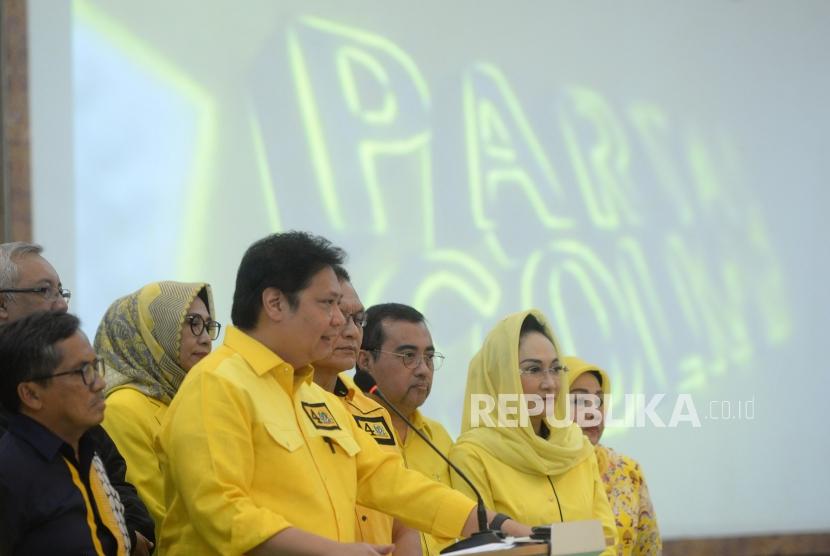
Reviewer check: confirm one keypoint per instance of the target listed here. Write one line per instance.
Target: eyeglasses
(89, 372)
(537, 371)
(48, 293)
(411, 359)
(359, 319)
(199, 325)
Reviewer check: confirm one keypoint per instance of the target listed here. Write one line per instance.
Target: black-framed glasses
(411, 359)
(537, 371)
(199, 325)
(89, 371)
(49, 293)
(359, 319)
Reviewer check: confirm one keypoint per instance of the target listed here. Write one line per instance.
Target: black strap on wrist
(497, 521)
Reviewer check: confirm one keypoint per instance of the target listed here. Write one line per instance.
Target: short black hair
(341, 273)
(285, 261)
(28, 350)
(373, 336)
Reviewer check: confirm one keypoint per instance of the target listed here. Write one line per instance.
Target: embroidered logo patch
(320, 416)
(377, 429)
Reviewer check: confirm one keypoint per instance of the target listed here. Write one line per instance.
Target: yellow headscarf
(577, 367)
(140, 337)
(495, 370)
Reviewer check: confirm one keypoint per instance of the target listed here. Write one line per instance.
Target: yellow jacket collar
(261, 359)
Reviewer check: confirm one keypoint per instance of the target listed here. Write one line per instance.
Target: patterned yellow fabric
(494, 370)
(140, 336)
(109, 508)
(637, 530)
(109, 505)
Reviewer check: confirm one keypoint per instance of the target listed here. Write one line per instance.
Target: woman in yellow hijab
(637, 532)
(537, 469)
(148, 341)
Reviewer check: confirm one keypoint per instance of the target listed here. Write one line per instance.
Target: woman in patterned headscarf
(625, 485)
(148, 341)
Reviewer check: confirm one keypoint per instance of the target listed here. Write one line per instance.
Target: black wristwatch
(498, 521)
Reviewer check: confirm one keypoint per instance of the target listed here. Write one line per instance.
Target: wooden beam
(792, 544)
(16, 213)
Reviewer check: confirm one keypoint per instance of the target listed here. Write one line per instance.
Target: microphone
(484, 535)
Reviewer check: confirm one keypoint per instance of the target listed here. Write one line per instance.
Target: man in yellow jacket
(373, 526)
(257, 459)
(397, 350)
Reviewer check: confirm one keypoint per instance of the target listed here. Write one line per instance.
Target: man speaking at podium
(258, 459)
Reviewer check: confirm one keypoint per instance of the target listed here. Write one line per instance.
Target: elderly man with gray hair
(30, 284)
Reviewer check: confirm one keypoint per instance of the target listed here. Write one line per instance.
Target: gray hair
(10, 253)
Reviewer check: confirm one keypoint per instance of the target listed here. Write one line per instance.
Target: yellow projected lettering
(504, 154)
(714, 314)
(266, 182)
(348, 61)
(375, 136)
(467, 277)
(655, 135)
(659, 305)
(605, 184)
(316, 134)
(630, 224)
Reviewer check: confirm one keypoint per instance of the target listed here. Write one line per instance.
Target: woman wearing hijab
(539, 469)
(148, 341)
(637, 532)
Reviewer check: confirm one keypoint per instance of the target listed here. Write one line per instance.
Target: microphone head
(364, 381)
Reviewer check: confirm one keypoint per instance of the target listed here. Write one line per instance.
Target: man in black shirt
(55, 496)
(28, 283)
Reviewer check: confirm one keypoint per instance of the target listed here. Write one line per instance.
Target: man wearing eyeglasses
(28, 284)
(55, 495)
(397, 350)
(257, 458)
(372, 526)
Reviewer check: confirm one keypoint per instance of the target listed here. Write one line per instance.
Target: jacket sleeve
(385, 484)
(470, 463)
(135, 512)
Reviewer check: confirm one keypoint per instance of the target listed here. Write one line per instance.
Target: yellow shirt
(637, 532)
(420, 457)
(132, 419)
(250, 446)
(532, 498)
(372, 526)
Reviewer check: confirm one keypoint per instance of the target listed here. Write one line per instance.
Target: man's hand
(143, 547)
(516, 529)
